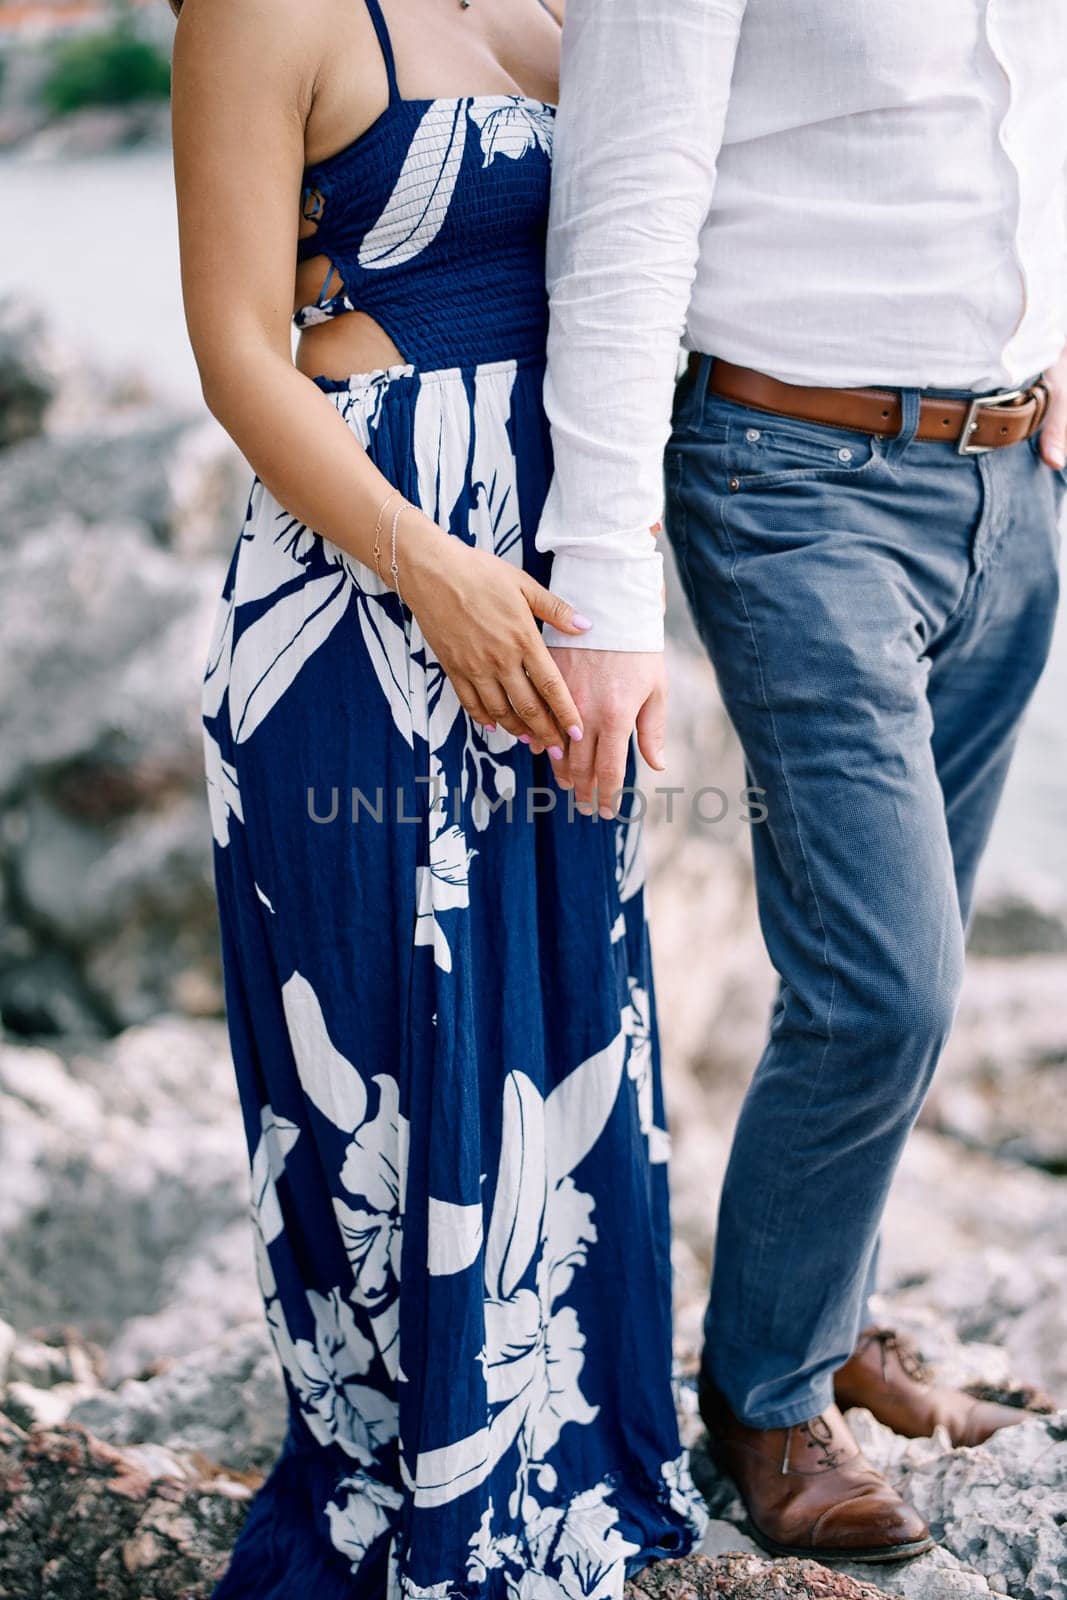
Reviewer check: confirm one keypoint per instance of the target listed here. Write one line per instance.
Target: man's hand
(615, 691)
(1053, 437)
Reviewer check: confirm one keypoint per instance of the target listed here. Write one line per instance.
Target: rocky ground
(139, 1397)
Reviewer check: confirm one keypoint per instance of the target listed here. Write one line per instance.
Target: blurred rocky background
(83, 76)
(139, 1398)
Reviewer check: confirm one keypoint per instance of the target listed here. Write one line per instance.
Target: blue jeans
(878, 612)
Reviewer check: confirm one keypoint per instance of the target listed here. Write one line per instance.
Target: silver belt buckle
(970, 421)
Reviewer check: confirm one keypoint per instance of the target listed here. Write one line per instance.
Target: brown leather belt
(985, 423)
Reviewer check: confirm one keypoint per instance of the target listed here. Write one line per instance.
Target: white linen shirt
(835, 192)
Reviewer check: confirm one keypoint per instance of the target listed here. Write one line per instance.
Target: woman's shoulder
(256, 53)
(262, 32)
(281, 48)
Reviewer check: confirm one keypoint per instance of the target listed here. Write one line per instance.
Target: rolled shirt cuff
(622, 596)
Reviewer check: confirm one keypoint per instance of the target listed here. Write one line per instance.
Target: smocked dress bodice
(434, 220)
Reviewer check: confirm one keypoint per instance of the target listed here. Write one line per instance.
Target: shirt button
(735, 483)
(751, 434)
(844, 454)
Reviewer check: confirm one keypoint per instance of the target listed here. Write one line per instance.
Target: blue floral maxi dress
(438, 989)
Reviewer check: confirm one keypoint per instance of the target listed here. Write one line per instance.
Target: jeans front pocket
(763, 448)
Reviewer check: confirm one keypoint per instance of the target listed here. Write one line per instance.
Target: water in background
(95, 242)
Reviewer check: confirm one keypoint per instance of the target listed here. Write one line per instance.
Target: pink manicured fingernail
(1058, 458)
(524, 738)
(575, 733)
(580, 621)
(555, 752)
(490, 727)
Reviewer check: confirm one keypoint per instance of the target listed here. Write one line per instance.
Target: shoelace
(819, 1436)
(892, 1343)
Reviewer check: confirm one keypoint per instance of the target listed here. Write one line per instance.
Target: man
(853, 214)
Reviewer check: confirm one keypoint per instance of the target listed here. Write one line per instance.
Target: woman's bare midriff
(352, 342)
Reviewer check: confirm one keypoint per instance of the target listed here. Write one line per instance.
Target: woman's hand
(478, 614)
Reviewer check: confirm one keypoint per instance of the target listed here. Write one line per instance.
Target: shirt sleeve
(643, 94)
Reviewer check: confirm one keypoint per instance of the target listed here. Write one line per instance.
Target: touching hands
(615, 691)
(478, 614)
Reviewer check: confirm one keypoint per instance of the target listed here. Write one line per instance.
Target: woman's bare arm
(243, 84)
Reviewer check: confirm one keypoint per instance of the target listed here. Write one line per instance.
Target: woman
(438, 989)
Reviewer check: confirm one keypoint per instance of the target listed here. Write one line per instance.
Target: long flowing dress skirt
(442, 1020)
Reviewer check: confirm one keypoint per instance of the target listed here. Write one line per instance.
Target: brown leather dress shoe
(809, 1490)
(886, 1375)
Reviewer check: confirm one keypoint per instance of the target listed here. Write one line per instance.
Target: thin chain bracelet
(393, 567)
(378, 532)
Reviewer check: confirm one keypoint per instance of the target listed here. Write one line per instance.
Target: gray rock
(204, 1291)
(208, 483)
(949, 1206)
(228, 1403)
(104, 638)
(32, 1407)
(999, 1509)
(8, 1339)
(938, 1575)
(1016, 1299)
(113, 473)
(133, 907)
(701, 895)
(43, 992)
(178, 476)
(725, 1538)
(62, 1362)
(79, 880)
(27, 388)
(975, 1240)
(118, 1169)
(105, 847)
(999, 1086)
(1019, 916)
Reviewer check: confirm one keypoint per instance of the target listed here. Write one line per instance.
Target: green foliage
(111, 67)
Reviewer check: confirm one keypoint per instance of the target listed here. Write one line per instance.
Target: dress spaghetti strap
(382, 30)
